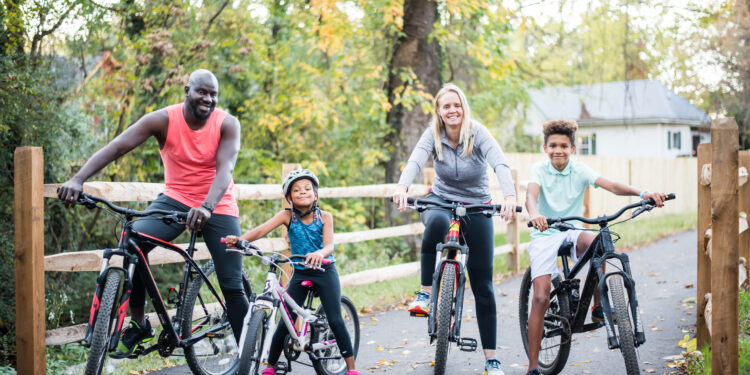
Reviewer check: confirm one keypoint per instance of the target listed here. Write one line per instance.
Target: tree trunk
(417, 51)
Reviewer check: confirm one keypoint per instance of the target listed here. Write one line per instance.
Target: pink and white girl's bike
(313, 336)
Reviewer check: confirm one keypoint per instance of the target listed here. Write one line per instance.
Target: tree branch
(215, 16)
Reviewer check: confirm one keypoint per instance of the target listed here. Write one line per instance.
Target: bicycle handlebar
(603, 219)
(421, 204)
(91, 201)
(248, 249)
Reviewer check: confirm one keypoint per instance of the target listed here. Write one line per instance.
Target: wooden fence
(31, 262)
(723, 242)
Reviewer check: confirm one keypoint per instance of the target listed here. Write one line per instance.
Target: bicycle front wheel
(102, 335)
(335, 364)
(555, 345)
(624, 328)
(252, 346)
(203, 314)
(444, 317)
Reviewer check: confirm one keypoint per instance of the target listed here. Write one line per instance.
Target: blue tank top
(306, 238)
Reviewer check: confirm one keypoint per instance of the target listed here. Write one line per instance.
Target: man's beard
(194, 110)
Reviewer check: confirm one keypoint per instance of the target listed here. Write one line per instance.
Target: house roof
(642, 101)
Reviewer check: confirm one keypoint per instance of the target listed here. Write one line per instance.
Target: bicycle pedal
(467, 344)
(281, 368)
(419, 315)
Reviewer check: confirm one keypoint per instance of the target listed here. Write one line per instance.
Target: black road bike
(449, 279)
(200, 325)
(569, 306)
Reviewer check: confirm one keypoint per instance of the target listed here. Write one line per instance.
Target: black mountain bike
(568, 307)
(449, 279)
(200, 325)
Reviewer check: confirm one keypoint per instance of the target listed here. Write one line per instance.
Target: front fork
(436, 279)
(124, 299)
(640, 336)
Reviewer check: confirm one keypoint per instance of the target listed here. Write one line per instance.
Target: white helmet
(295, 175)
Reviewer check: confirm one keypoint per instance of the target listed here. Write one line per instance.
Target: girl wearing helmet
(310, 234)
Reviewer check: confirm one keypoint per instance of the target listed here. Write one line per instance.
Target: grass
(744, 340)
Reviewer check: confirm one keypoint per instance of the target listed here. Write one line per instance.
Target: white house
(629, 118)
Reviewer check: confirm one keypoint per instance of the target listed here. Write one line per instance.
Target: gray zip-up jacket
(461, 179)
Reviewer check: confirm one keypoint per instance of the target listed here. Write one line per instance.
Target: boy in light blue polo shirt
(556, 189)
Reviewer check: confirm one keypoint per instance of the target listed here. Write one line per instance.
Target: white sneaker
(492, 367)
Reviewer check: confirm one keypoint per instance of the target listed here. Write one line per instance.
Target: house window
(674, 141)
(588, 144)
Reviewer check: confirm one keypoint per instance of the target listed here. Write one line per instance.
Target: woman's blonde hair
(466, 135)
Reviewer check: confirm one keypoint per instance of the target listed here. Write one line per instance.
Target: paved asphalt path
(665, 272)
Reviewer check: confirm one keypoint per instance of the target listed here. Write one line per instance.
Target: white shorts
(543, 252)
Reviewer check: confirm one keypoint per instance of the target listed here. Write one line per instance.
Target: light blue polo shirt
(560, 193)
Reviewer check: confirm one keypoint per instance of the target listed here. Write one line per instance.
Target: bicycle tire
(217, 355)
(102, 335)
(444, 315)
(351, 319)
(624, 326)
(253, 344)
(554, 361)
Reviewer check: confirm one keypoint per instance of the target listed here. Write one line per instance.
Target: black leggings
(478, 232)
(329, 291)
(228, 265)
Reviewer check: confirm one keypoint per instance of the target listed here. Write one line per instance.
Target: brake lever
(562, 226)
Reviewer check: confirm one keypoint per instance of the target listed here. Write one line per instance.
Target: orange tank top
(189, 158)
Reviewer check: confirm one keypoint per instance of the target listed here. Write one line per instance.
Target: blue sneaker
(492, 367)
(534, 372)
(421, 304)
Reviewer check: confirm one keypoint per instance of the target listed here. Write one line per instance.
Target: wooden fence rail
(31, 262)
(723, 200)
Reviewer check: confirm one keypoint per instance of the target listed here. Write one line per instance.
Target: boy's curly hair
(560, 126)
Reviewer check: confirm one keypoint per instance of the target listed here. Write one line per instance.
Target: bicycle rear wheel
(252, 346)
(555, 345)
(217, 353)
(102, 335)
(336, 366)
(444, 316)
(624, 326)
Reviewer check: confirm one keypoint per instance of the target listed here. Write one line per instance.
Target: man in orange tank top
(199, 145)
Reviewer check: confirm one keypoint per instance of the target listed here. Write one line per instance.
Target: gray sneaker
(492, 367)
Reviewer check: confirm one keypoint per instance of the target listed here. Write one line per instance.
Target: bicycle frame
(273, 297)
(457, 255)
(132, 254)
(601, 250)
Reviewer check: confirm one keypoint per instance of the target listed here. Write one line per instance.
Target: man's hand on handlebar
(399, 197)
(539, 222)
(197, 218)
(69, 192)
(658, 198)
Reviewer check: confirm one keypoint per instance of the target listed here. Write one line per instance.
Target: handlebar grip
(223, 240)
(519, 209)
(325, 261)
(670, 196)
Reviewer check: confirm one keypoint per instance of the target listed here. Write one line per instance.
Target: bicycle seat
(307, 283)
(565, 248)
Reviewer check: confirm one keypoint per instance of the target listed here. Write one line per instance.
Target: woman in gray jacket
(461, 148)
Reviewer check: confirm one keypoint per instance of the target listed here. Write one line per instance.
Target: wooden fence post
(724, 266)
(28, 212)
(513, 235)
(744, 206)
(704, 262)
(285, 169)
